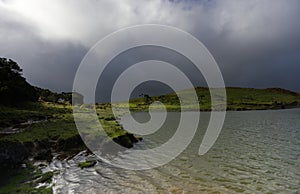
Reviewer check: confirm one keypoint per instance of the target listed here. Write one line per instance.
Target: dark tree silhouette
(13, 87)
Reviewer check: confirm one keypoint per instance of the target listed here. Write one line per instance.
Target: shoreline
(227, 110)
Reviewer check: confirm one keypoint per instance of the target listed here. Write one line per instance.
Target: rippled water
(256, 152)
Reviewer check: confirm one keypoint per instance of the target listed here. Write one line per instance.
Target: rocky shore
(14, 152)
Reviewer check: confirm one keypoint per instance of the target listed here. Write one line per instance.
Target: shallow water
(256, 152)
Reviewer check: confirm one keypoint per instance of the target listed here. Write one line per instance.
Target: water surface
(256, 152)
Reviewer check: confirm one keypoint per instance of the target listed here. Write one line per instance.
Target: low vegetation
(87, 164)
(25, 180)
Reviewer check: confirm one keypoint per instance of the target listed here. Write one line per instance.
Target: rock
(44, 154)
(124, 141)
(127, 140)
(12, 153)
(70, 143)
(87, 164)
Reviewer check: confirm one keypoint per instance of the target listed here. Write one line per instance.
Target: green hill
(237, 99)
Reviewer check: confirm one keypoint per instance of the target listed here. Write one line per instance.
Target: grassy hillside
(237, 99)
(56, 122)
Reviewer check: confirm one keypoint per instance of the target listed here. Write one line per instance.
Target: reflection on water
(257, 152)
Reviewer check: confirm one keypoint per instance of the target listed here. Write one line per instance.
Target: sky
(255, 43)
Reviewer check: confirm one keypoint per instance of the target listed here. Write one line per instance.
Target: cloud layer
(256, 43)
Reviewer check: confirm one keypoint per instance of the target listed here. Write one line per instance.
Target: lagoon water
(256, 152)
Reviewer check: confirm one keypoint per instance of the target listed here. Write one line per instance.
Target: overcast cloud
(255, 43)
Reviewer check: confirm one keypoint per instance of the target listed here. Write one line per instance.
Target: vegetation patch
(24, 180)
(87, 164)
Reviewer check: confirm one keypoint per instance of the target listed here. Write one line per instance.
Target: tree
(13, 87)
(147, 99)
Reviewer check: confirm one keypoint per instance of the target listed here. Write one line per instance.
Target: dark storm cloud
(47, 64)
(58, 63)
(139, 54)
(256, 43)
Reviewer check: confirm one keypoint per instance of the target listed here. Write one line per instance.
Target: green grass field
(237, 99)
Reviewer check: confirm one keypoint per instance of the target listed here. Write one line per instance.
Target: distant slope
(237, 99)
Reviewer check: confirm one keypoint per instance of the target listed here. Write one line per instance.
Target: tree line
(14, 89)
